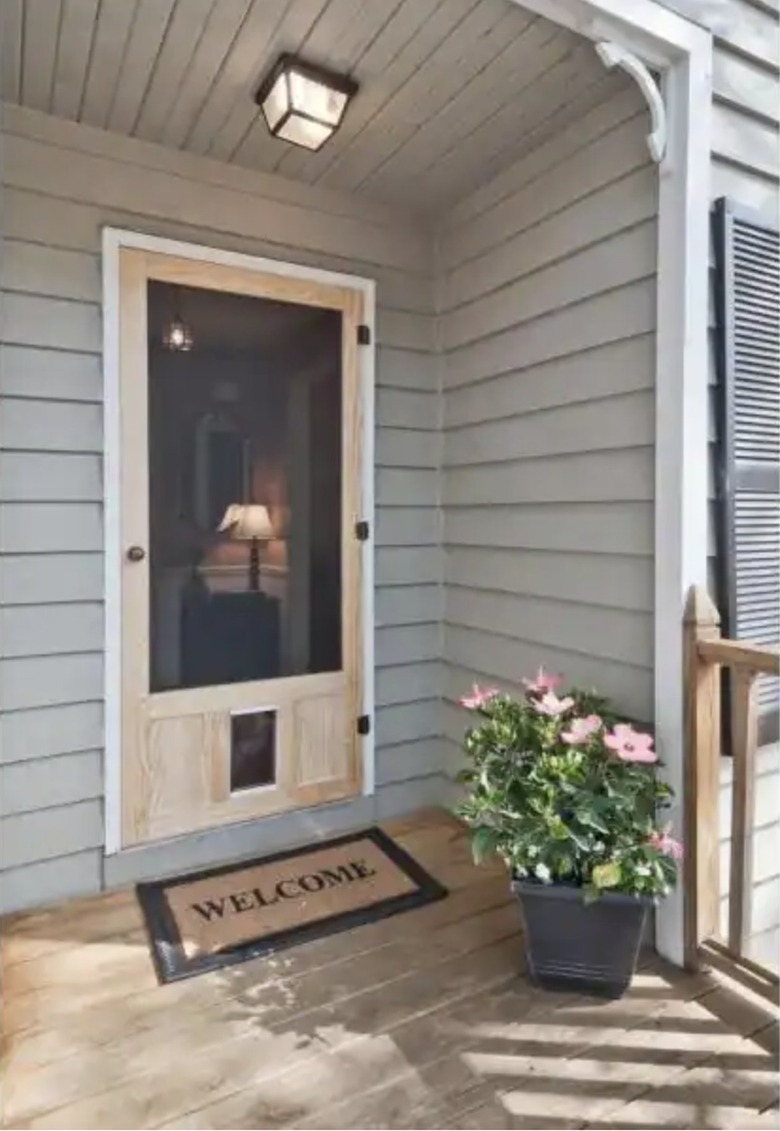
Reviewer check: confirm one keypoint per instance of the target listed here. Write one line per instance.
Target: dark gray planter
(577, 946)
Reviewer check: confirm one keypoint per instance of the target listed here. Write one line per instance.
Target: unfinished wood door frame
(297, 281)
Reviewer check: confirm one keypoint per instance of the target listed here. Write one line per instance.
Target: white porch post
(681, 527)
(682, 52)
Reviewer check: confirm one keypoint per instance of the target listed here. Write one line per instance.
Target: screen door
(240, 590)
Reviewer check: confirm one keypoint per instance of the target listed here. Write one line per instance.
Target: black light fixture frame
(342, 84)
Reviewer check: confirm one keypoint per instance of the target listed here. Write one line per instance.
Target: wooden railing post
(701, 874)
(744, 742)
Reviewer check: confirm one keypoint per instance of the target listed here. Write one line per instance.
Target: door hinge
(362, 531)
(364, 334)
(364, 724)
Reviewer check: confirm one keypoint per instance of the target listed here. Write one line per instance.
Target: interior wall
(61, 184)
(546, 298)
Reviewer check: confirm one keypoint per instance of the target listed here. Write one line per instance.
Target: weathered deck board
(422, 1020)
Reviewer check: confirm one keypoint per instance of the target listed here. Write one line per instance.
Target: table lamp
(249, 522)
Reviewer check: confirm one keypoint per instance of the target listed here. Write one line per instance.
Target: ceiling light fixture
(303, 103)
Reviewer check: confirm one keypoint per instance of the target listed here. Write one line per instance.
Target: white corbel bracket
(613, 55)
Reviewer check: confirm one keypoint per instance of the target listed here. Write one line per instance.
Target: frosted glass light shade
(302, 103)
(304, 132)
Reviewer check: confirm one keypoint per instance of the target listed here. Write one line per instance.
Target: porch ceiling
(451, 91)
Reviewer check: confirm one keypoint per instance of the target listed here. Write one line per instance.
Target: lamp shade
(303, 103)
(247, 521)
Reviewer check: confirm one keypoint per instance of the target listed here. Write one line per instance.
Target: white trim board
(682, 52)
(113, 240)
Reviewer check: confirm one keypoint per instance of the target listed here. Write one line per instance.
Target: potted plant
(568, 796)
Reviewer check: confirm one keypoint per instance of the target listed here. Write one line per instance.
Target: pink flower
(665, 843)
(631, 745)
(580, 730)
(543, 683)
(479, 697)
(552, 706)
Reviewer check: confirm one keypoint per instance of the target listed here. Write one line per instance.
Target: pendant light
(177, 335)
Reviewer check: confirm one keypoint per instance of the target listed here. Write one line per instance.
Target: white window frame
(114, 239)
(682, 52)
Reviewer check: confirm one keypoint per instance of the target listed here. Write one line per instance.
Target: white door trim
(113, 240)
(682, 52)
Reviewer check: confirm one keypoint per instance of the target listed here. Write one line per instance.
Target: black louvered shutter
(747, 307)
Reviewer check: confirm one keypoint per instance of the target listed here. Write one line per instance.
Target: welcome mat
(205, 920)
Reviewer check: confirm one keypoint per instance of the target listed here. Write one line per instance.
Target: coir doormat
(202, 921)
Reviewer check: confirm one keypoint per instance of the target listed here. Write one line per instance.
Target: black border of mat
(170, 961)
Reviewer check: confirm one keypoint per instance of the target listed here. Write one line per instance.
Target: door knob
(136, 554)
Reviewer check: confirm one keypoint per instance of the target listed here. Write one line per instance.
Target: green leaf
(483, 843)
(592, 820)
(578, 839)
(606, 875)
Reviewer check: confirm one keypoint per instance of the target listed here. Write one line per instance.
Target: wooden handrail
(737, 654)
(706, 653)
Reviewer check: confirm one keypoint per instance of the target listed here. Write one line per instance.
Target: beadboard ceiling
(451, 91)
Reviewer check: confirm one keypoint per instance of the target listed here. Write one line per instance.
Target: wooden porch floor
(423, 1020)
